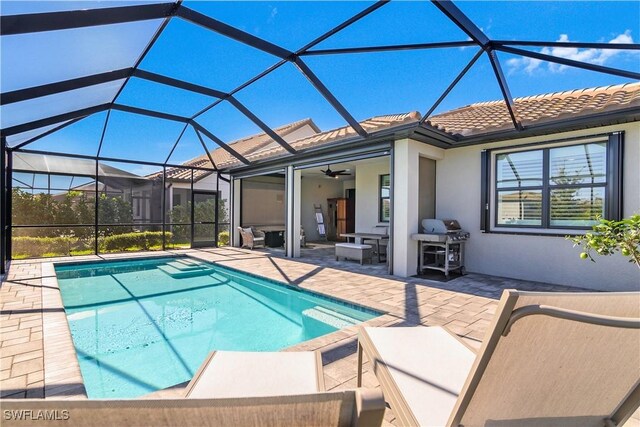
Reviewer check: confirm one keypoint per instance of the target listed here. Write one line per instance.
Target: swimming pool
(143, 325)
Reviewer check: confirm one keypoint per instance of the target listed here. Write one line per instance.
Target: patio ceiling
(88, 88)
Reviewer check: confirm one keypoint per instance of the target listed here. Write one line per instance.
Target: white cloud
(272, 14)
(592, 56)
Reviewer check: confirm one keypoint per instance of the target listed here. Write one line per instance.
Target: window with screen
(563, 186)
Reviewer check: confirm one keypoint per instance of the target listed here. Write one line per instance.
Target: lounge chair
(263, 374)
(548, 359)
(251, 238)
(358, 407)
(230, 388)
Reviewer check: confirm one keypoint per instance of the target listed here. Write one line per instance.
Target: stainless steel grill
(441, 246)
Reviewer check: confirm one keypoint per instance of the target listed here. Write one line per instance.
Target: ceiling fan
(334, 174)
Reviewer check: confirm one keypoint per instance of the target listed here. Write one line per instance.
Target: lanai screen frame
(50, 21)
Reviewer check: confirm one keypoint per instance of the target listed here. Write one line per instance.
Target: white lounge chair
(548, 359)
(230, 388)
(253, 374)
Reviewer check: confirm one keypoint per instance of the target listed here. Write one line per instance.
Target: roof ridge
(576, 91)
(410, 114)
(290, 127)
(276, 129)
(565, 93)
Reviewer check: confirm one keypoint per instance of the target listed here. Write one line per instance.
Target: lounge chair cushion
(428, 365)
(255, 374)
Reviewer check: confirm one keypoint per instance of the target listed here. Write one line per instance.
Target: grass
(17, 256)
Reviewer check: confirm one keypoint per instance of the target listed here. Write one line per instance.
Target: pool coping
(62, 374)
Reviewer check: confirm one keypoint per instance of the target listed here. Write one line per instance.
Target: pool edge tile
(62, 375)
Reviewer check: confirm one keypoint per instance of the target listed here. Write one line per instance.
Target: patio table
(359, 237)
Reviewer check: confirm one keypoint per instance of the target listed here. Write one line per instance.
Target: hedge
(30, 247)
(35, 247)
(137, 241)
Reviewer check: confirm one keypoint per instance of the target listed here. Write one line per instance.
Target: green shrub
(133, 241)
(34, 247)
(223, 238)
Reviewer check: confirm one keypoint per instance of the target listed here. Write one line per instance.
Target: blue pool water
(142, 325)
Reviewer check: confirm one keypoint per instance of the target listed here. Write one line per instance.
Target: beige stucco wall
(427, 189)
(538, 258)
(316, 191)
(406, 177)
(347, 185)
(367, 186)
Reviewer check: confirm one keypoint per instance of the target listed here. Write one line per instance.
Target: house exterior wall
(367, 197)
(406, 219)
(316, 191)
(538, 258)
(208, 183)
(348, 185)
(427, 188)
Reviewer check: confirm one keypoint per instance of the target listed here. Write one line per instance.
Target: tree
(114, 210)
(609, 237)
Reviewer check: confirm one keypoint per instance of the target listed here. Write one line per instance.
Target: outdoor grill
(442, 230)
(441, 246)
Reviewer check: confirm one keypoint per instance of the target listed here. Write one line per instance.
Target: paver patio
(35, 367)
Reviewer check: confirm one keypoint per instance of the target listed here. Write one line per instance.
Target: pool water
(143, 325)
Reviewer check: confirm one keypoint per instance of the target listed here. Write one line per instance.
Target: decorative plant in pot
(609, 237)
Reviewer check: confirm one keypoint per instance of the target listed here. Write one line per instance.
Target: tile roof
(486, 117)
(336, 135)
(244, 146)
(475, 119)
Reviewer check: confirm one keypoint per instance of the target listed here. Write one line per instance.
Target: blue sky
(367, 84)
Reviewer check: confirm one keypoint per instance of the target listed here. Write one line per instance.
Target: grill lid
(440, 226)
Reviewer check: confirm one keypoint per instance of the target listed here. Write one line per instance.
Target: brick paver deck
(465, 305)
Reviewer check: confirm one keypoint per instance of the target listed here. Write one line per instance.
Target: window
(384, 212)
(567, 186)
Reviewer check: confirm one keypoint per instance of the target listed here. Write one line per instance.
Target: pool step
(186, 264)
(327, 317)
(186, 268)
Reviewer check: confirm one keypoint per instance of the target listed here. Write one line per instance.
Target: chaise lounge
(549, 359)
(230, 388)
